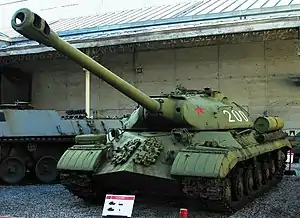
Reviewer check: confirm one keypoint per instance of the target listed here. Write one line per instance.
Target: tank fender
(85, 159)
(205, 163)
(216, 163)
(220, 139)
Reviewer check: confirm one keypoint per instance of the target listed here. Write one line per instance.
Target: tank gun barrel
(33, 27)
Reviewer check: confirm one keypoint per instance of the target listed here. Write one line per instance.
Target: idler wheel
(12, 170)
(258, 179)
(237, 186)
(248, 182)
(45, 169)
(265, 173)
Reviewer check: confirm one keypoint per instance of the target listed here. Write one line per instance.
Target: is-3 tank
(195, 144)
(33, 140)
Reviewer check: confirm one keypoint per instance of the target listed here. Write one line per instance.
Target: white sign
(118, 205)
(289, 156)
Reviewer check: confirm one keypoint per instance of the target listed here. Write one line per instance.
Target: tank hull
(32, 141)
(209, 175)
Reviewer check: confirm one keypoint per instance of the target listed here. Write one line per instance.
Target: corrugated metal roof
(166, 14)
(151, 19)
(209, 9)
(3, 35)
(3, 39)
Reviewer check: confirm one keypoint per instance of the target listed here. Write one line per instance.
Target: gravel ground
(54, 201)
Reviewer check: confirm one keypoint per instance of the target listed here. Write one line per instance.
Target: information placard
(118, 205)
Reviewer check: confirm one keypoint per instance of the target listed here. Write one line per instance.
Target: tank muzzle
(32, 26)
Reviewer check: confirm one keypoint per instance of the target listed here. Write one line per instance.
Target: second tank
(33, 140)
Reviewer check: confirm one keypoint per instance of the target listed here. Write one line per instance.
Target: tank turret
(193, 109)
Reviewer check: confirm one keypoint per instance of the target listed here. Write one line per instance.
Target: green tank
(191, 144)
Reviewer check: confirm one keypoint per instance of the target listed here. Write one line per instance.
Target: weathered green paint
(218, 163)
(268, 123)
(80, 159)
(195, 160)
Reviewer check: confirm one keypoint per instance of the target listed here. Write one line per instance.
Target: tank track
(79, 184)
(214, 194)
(210, 194)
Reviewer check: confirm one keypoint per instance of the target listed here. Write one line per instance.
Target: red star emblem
(199, 110)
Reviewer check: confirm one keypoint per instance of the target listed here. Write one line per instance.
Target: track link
(79, 184)
(216, 194)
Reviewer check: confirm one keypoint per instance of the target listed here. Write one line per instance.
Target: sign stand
(118, 206)
(290, 159)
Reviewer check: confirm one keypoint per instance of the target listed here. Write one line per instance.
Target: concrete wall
(254, 74)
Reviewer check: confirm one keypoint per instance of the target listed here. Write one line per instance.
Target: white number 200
(234, 116)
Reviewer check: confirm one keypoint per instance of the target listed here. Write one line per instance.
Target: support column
(87, 92)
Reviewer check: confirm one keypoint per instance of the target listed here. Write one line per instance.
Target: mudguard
(81, 159)
(216, 163)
